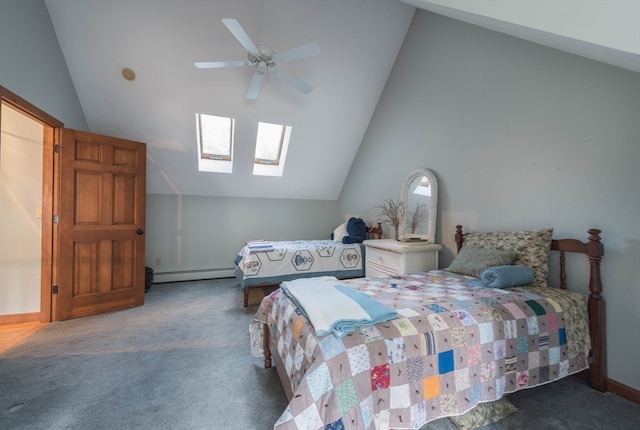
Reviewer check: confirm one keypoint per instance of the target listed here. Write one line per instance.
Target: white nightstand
(385, 257)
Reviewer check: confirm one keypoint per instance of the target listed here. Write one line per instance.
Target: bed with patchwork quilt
(452, 343)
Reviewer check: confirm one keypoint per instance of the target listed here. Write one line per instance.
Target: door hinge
(56, 149)
(56, 219)
(54, 289)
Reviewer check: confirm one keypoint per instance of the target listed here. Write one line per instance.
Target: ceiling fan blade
(298, 53)
(254, 86)
(236, 29)
(293, 81)
(219, 64)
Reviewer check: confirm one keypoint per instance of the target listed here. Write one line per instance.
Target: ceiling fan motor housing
(263, 60)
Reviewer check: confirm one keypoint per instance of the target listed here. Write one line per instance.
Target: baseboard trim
(623, 391)
(191, 275)
(19, 318)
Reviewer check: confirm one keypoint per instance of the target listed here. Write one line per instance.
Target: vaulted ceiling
(160, 41)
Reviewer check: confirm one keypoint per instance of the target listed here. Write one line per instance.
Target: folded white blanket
(334, 308)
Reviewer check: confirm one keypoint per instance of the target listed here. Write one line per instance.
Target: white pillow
(340, 232)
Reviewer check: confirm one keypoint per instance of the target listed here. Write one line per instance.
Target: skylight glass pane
(216, 136)
(423, 188)
(269, 143)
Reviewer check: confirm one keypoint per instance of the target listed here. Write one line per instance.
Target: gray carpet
(182, 361)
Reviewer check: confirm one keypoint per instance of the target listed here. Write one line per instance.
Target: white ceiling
(160, 40)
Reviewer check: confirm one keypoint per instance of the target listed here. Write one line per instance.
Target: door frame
(51, 126)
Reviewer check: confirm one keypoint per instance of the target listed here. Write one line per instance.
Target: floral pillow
(483, 414)
(531, 248)
(472, 261)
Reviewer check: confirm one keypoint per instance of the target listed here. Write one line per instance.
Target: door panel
(101, 224)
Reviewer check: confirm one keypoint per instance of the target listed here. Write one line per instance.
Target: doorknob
(139, 232)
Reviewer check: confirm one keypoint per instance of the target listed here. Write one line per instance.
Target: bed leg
(245, 302)
(265, 346)
(597, 369)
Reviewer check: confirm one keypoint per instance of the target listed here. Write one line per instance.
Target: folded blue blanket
(377, 311)
(505, 276)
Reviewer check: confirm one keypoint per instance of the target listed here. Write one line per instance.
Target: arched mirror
(419, 193)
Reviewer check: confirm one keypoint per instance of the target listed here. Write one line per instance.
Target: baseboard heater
(191, 275)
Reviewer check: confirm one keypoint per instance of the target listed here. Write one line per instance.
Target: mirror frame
(433, 205)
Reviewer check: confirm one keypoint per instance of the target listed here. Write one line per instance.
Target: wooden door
(101, 221)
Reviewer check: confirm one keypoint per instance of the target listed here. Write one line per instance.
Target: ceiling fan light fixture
(262, 66)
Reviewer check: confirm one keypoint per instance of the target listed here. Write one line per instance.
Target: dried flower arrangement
(392, 212)
(419, 216)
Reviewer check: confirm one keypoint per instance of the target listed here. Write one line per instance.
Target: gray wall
(31, 61)
(198, 237)
(520, 137)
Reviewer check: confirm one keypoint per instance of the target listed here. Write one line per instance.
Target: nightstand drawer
(383, 258)
(373, 270)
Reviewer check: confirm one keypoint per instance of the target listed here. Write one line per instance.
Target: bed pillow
(483, 414)
(511, 275)
(471, 261)
(531, 246)
(339, 232)
(356, 231)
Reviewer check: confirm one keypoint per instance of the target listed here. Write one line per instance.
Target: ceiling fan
(265, 60)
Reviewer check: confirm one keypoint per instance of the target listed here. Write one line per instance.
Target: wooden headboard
(594, 250)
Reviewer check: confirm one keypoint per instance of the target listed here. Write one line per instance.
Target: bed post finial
(459, 237)
(595, 251)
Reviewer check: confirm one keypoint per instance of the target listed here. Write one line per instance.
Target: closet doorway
(91, 219)
(26, 210)
(20, 212)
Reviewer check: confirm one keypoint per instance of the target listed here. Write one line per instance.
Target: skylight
(215, 143)
(272, 143)
(423, 188)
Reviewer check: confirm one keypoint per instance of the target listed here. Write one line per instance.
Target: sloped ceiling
(358, 39)
(160, 40)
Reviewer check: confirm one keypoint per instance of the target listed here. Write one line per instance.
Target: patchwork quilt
(277, 261)
(452, 346)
